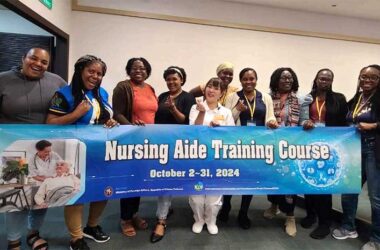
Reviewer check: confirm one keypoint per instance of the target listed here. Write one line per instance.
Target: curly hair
(175, 70)
(275, 79)
(128, 67)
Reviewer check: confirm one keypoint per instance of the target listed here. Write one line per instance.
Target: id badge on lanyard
(251, 123)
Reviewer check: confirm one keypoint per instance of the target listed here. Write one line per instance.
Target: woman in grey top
(25, 94)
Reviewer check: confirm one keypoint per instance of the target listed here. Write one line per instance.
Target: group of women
(31, 95)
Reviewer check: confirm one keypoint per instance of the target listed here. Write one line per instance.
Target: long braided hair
(77, 85)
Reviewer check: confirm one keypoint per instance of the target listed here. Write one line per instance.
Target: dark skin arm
(196, 92)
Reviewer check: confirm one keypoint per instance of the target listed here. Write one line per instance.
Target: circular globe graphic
(321, 173)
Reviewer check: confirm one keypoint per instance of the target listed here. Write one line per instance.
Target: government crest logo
(108, 191)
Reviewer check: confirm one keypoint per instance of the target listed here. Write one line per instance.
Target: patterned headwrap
(225, 65)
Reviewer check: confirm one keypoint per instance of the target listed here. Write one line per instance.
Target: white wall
(199, 49)
(250, 14)
(59, 15)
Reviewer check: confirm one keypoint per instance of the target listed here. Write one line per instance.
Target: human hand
(139, 123)
(214, 123)
(200, 106)
(82, 108)
(365, 126)
(110, 123)
(272, 124)
(240, 106)
(307, 125)
(169, 103)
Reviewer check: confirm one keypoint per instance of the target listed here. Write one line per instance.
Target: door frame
(61, 56)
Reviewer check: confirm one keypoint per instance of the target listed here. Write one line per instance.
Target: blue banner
(156, 160)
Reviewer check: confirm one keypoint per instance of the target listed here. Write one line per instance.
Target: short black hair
(176, 70)
(242, 72)
(32, 48)
(216, 82)
(41, 145)
(275, 79)
(130, 62)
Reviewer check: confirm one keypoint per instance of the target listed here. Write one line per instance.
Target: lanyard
(359, 107)
(251, 108)
(319, 109)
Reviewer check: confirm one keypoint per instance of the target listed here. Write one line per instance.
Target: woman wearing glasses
(290, 110)
(134, 102)
(364, 113)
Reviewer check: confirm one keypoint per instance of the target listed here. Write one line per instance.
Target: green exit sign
(47, 3)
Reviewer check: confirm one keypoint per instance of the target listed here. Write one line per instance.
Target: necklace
(175, 95)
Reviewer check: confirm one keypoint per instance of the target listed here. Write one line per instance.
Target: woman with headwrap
(225, 72)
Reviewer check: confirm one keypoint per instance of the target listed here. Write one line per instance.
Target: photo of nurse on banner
(38, 174)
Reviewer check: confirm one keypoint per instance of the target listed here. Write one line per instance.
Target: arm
(270, 119)
(178, 116)
(304, 108)
(197, 91)
(119, 104)
(72, 117)
(232, 103)
(196, 117)
(39, 198)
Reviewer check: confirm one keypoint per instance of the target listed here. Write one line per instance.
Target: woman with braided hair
(83, 102)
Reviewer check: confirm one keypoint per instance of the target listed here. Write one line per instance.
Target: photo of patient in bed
(59, 189)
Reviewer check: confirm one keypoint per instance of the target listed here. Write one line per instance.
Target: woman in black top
(364, 113)
(173, 108)
(327, 109)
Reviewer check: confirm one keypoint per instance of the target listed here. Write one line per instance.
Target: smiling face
(44, 153)
(248, 81)
(174, 83)
(35, 63)
(226, 75)
(285, 82)
(92, 75)
(369, 79)
(212, 93)
(61, 168)
(324, 80)
(138, 72)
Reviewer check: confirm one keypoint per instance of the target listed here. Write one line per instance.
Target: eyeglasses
(372, 78)
(138, 69)
(284, 78)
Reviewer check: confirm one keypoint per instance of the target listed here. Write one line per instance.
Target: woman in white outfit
(209, 113)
